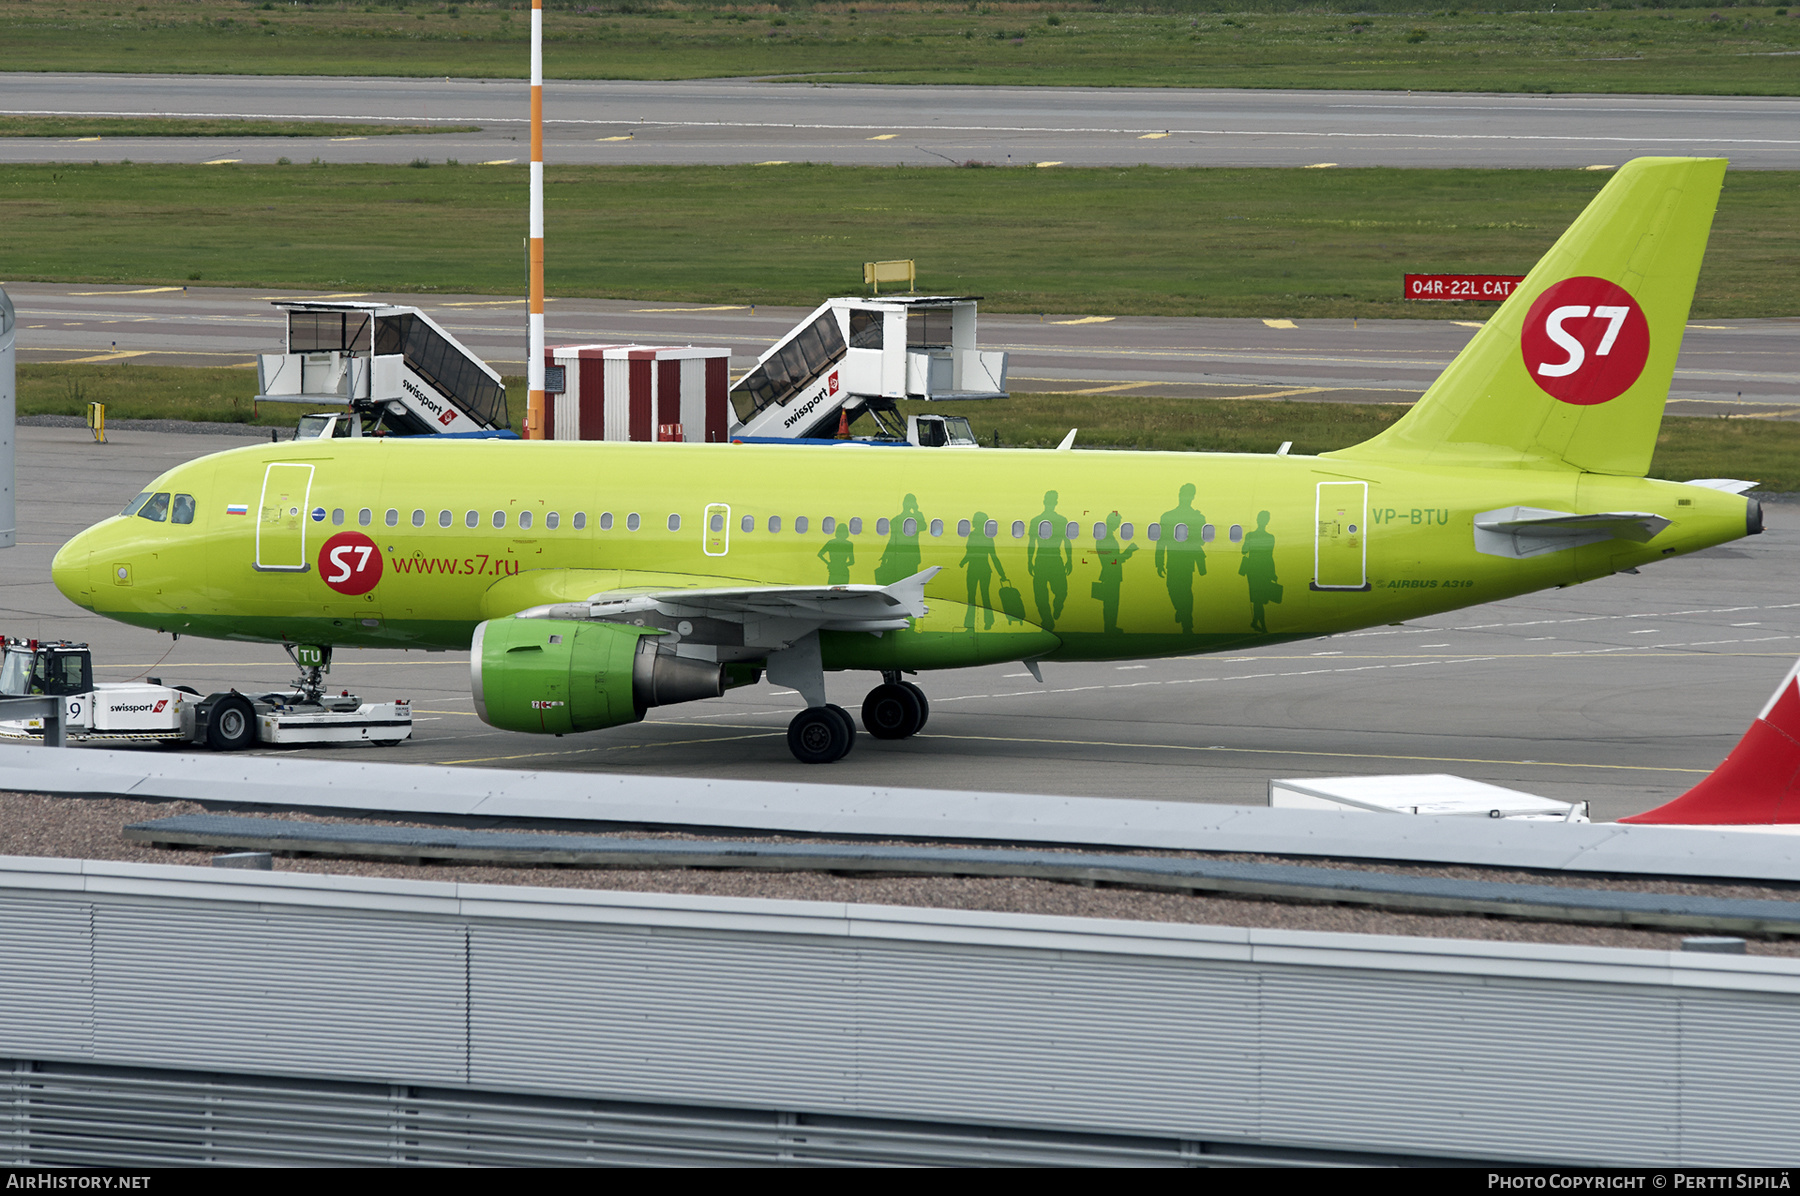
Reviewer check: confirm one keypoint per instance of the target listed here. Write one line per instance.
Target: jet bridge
(394, 365)
(862, 355)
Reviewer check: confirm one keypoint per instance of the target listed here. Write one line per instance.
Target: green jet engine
(552, 676)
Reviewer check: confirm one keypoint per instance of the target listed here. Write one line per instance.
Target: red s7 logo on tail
(350, 563)
(1585, 341)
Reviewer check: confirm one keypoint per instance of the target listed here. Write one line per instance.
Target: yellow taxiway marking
(1278, 394)
(498, 162)
(222, 162)
(1104, 390)
(304, 298)
(1152, 136)
(1049, 164)
(1599, 167)
(1087, 320)
(1280, 324)
(105, 357)
(623, 747)
(882, 137)
(1256, 751)
(79, 140)
(143, 291)
(349, 138)
(720, 307)
(1321, 166)
(775, 162)
(1469, 323)
(626, 137)
(1713, 327)
(494, 303)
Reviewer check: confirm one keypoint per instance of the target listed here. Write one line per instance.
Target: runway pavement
(750, 121)
(1622, 692)
(1745, 367)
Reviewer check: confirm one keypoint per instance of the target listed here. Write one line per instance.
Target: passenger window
(774, 523)
(828, 525)
(156, 510)
(937, 527)
(881, 527)
(717, 522)
(674, 523)
(337, 517)
(749, 523)
(445, 518)
(1181, 533)
(1124, 531)
(1018, 529)
(1156, 531)
(1206, 533)
(1072, 529)
(551, 520)
(419, 518)
(991, 529)
(524, 520)
(472, 519)
(182, 510)
(962, 527)
(910, 527)
(856, 525)
(1044, 530)
(1099, 531)
(132, 507)
(632, 522)
(499, 518)
(800, 525)
(1237, 532)
(364, 517)
(606, 521)
(580, 520)
(393, 518)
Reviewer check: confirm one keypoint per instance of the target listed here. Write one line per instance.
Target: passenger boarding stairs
(395, 365)
(860, 355)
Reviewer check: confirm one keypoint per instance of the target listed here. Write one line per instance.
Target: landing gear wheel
(820, 734)
(924, 706)
(843, 716)
(893, 711)
(232, 726)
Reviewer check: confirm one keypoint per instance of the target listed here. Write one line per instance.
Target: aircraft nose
(69, 570)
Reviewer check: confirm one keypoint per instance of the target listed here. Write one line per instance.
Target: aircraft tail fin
(1573, 370)
(1759, 782)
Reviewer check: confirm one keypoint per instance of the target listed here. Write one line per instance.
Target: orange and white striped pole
(534, 366)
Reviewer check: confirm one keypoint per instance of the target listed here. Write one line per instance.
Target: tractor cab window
(156, 510)
(15, 674)
(61, 673)
(182, 509)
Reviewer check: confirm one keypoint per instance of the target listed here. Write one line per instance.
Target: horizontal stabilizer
(1759, 783)
(1532, 531)
(1728, 485)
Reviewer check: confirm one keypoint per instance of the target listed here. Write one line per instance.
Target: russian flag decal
(237, 508)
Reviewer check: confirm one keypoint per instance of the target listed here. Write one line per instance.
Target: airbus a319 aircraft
(591, 580)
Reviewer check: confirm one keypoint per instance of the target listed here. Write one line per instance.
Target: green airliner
(591, 581)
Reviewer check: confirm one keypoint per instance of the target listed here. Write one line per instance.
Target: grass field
(1688, 447)
(1146, 241)
(1703, 50)
(95, 127)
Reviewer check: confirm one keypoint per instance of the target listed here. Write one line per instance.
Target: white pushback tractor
(151, 711)
(388, 371)
(859, 356)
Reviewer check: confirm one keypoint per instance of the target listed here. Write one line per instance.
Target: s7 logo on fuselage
(350, 563)
(1585, 341)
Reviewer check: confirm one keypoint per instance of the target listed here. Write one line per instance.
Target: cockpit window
(182, 509)
(156, 510)
(131, 508)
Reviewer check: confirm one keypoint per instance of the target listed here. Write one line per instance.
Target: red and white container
(639, 392)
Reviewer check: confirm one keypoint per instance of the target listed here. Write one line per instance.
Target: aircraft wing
(764, 618)
(1531, 531)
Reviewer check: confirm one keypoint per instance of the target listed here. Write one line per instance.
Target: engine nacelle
(553, 676)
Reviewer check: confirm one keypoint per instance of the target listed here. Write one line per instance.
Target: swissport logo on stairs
(1585, 341)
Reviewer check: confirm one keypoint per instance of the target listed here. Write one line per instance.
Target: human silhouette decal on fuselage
(1181, 555)
(1258, 568)
(1049, 558)
(1112, 573)
(981, 562)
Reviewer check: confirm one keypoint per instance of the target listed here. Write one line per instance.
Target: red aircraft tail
(1759, 783)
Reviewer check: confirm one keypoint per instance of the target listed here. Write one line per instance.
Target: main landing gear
(895, 709)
